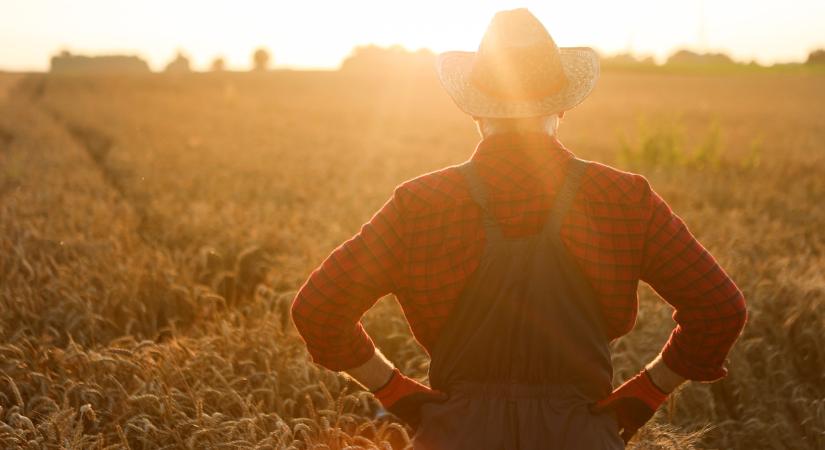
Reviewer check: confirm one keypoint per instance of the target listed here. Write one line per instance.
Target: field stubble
(154, 229)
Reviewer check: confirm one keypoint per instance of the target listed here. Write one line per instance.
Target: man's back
(604, 230)
(426, 241)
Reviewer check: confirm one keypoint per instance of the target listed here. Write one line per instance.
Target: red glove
(634, 403)
(404, 397)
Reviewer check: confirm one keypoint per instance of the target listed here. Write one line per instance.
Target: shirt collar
(529, 143)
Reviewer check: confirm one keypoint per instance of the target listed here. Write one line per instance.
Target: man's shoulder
(604, 183)
(446, 187)
(440, 188)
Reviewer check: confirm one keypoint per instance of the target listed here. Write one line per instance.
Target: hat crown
(518, 59)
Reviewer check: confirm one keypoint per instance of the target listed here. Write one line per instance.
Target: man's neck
(495, 133)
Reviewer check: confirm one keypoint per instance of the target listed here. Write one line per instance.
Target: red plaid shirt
(426, 241)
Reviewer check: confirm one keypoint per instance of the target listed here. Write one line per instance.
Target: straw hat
(518, 71)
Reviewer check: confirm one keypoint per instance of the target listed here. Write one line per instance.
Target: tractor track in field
(98, 145)
(250, 265)
(243, 270)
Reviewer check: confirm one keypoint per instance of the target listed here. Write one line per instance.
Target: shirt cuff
(688, 369)
(354, 354)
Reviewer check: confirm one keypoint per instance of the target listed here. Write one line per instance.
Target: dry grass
(153, 231)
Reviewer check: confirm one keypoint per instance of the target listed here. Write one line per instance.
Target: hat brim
(580, 65)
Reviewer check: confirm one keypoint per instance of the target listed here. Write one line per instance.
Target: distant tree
(178, 65)
(687, 57)
(626, 60)
(816, 57)
(218, 64)
(261, 59)
(372, 59)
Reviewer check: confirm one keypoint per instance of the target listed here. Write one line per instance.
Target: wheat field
(154, 229)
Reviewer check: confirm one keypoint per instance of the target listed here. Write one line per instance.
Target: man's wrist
(662, 376)
(395, 372)
(653, 382)
(373, 374)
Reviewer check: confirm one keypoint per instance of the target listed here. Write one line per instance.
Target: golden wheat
(153, 230)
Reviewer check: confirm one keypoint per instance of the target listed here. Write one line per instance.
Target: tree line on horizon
(376, 59)
(67, 62)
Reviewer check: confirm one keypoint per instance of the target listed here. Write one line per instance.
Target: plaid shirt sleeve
(328, 307)
(709, 308)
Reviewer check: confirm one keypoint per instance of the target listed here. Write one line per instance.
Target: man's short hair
(547, 124)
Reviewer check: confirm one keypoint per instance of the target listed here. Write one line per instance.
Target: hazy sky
(319, 34)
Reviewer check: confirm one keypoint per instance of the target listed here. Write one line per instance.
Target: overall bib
(523, 353)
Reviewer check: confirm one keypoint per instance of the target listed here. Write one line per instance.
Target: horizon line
(640, 56)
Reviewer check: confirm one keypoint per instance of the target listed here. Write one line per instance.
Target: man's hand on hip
(398, 394)
(404, 397)
(633, 403)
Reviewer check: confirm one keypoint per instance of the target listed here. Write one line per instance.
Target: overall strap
(564, 198)
(479, 194)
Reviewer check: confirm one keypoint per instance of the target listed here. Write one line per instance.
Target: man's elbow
(299, 313)
(731, 322)
(740, 316)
